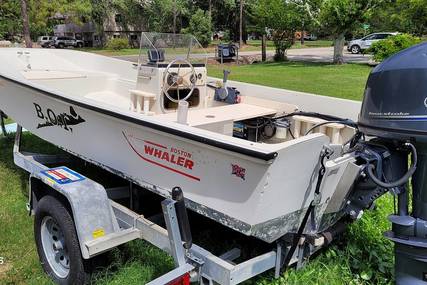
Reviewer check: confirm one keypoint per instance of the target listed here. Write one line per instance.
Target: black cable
(350, 124)
(404, 179)
(317, 115)
(298, 235)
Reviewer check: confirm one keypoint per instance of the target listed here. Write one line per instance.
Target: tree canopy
(339, 17)
(200, 27)
(280, 18)
(10, 11)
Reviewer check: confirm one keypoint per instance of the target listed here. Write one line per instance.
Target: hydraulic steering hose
(403, 179)
(320, 116)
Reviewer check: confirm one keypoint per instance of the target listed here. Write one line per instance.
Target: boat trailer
(117, 224)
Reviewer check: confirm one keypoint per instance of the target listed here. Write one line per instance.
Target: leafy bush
(118, 43)
(392, 45)
(282, 42)
(201, 27)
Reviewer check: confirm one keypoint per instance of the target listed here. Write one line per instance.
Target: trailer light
(182, 280)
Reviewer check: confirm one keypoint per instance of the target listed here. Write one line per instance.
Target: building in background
(85, 32)
(113, 27)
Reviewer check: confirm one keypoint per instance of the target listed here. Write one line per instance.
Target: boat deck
(220, 119)
(235, 112)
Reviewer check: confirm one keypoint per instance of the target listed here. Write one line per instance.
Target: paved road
(323, 54)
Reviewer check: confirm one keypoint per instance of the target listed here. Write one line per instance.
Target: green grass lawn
(361, 256)
(342, 81)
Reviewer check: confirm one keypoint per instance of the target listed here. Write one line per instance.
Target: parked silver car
(358, 45)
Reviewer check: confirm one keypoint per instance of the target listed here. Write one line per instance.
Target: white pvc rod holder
(182, 112)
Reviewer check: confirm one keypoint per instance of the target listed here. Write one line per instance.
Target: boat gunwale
(198, 138)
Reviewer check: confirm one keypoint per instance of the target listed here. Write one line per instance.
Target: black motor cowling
(395, 101)
(394, 110)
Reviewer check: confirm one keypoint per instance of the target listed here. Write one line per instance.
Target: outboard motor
(394, 112)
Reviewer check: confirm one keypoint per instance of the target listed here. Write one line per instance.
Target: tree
(10, 19)
(339, 17)
(417, 15)
(242, 3)
(26, 24)
(164, 15)
(409, 16)
(43, 15)
(100, 11)
(224, 16)
(282, 18)
(201, 27)
(308, 11)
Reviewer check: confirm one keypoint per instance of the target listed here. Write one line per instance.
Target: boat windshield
(161, 49)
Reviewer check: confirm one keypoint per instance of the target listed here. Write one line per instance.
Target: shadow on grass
(29, 143)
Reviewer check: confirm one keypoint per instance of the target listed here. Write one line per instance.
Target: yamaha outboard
(394, 117)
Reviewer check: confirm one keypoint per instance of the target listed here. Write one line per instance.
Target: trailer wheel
(57, 243)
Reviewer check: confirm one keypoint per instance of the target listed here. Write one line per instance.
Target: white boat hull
(263, 194)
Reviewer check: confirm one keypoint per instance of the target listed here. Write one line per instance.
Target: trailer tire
(57, 243)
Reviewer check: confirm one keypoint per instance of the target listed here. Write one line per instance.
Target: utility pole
(26, 24)
(174, 17)
(302, 33)
(241, 23)
(302, 14)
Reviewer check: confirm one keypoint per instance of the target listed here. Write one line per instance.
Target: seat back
(155, 56)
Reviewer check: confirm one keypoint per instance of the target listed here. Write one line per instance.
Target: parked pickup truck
(62, 42)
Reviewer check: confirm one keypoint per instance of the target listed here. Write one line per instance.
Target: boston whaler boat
(264, 162)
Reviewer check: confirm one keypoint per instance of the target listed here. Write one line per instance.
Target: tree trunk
(26, 24)
(263, 51)
(302, 33)
(241, 23)
(210, 9)
(338, 49)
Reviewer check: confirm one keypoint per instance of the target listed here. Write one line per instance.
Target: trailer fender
(89, 204)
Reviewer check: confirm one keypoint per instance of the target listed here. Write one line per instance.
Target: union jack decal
(238, 171)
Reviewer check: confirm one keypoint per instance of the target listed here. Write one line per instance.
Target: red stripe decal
(58, 174)
(159, 164)
(156, 144)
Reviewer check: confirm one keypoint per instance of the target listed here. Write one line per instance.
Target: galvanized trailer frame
(126, 225)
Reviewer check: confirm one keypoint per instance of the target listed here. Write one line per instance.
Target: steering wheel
(179, 82)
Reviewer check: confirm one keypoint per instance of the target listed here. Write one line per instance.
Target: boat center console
(172, 85)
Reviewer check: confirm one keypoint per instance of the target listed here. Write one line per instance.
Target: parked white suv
(358, 45)
(44, 41)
